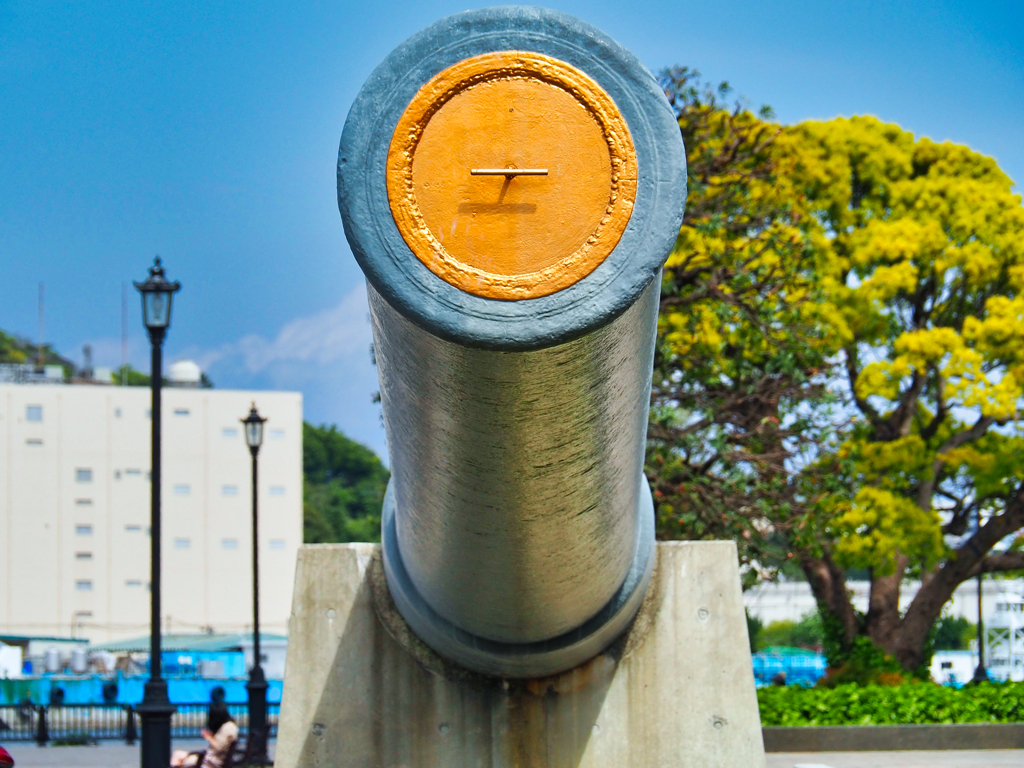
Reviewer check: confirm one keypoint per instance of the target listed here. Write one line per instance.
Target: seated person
(221, 732)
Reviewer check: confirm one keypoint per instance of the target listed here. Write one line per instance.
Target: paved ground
(107, 755)
(989, 758)
(111, 755)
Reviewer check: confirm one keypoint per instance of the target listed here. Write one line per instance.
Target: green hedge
(909, 704)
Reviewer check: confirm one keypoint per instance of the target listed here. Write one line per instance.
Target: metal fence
(84, 723)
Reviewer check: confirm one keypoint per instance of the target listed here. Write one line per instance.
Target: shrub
(908, 704)
(74, 739)
(953, 633)
(806, 633)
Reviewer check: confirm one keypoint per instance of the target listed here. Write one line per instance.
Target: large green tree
(841, 362)
(926, 256)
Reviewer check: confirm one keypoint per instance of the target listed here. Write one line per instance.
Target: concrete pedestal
(676, 690)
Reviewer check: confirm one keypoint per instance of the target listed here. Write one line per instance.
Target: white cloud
(323, 338)
(324, 355)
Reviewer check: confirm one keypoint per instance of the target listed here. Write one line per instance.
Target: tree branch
(852, 373)
(927, 488)
(997, 563)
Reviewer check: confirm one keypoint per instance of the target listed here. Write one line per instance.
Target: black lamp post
(981, 673)
(257, 685)
(156, 709)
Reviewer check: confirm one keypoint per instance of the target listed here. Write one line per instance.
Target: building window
(149, 413)
(277, 543)
(83, 502)
(83, 530)
(229, 490)
(181, 411)
(138, 583)
(33, 441)
(117, 474)
(83, 475)
(182, 489)
(229, 543)
(83, 585)
(133, 471)
(277, 490)
(133, 528)
(229, 432)
(277, 434)
(33, 413)
(117, 413)
(182, 543)
(83, 555)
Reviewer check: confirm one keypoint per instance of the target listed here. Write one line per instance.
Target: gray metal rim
(443, 309)
(513, 660)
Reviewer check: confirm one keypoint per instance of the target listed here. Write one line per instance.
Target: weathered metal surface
(517, 474)
(518, 659)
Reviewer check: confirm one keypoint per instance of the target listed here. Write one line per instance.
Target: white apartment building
(75, 510)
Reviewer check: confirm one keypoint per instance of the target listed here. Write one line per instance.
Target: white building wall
(791, 600)
(75, 510)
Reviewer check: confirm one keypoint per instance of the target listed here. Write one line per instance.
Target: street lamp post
(156, 709)
(257, 685)
(981, 673)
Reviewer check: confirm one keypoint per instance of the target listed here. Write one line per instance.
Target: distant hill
(17, 350)
(343, 487)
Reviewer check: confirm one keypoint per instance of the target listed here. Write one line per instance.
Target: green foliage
(739, 353)
(953, 633)
(754, 629)
(16, 350)
(74, 739)
(131, 377)
(839, 374)
(862, 662)
(924, 293)
(343, 488)
(806, 633)
(908, 704)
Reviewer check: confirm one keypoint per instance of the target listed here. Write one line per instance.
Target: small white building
(10, 661)
(1004, 640)
(953, 667)
(75, 509)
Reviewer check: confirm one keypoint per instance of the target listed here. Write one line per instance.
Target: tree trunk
(828, 585)
(882, 622)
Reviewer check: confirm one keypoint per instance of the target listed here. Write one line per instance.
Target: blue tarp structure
(802, 666)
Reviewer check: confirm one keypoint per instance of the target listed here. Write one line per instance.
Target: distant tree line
(16, 350)
(343, 488)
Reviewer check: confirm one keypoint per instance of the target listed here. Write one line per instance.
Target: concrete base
(893, 738)
(676, 690)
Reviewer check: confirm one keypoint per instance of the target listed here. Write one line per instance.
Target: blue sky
(208, 133)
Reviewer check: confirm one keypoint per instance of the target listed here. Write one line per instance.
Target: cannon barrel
(514, 353)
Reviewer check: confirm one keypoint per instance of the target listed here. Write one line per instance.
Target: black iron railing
(85, 723)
